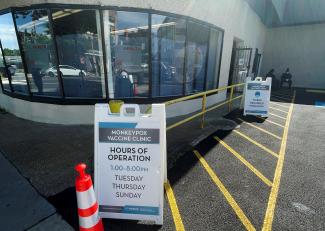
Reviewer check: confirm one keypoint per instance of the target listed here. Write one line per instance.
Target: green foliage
(11, 52)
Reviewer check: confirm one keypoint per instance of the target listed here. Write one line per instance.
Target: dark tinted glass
(197, 47)
(129, 54)
(78, 38)
(38, 50)
(214, 59)
(12, 54)
(168, 48)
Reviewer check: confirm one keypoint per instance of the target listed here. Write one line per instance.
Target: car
(65, 70)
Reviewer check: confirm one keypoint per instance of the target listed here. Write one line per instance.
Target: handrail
(204, 107)
(209, 92)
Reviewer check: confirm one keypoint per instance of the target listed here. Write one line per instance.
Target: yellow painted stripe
(173, 206)
(281, 117)
(239, 212)
(315, 91)
(270, 121)
(280, 105)
(256, 143)
(274, 108)
(269, 214)
(261, 129)
(245, 162)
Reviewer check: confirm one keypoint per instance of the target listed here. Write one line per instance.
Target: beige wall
(302, 49)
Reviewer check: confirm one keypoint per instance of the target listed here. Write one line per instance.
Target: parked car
(65, 70)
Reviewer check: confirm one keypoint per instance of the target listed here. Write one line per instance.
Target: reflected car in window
(65, 70)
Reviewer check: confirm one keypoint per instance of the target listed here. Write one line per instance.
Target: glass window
(197, 47)
(129, 54)
(78, 38)
(3, 73)
(12, 54)
(214, 59)
(168, 49)
(37, 44)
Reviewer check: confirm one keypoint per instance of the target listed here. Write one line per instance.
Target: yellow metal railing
(204, 109)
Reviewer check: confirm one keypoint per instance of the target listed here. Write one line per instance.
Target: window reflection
(37, 44)
(185, 55)
(129, 54)
(197, 46)
(214, 59)
(78, 38)
(3, 73)
(11, 54)
(168, 53)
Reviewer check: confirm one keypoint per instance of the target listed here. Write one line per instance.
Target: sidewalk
(21, 207)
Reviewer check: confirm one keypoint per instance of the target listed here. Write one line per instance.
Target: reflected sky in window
(7, 32)
(127, 20)
(33, 21)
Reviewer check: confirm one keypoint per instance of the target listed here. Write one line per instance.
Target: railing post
(230, 98)
(204, 101)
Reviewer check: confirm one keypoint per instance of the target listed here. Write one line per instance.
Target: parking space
(231, 180)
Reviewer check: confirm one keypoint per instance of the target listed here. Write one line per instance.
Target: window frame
(90, 101)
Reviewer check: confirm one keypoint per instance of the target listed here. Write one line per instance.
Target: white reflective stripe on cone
(88, 222)
(86, 199)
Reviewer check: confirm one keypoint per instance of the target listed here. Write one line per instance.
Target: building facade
(57, 59)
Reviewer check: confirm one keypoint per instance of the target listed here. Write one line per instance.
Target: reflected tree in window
(4, 76)
(37, 44)
(12, 55)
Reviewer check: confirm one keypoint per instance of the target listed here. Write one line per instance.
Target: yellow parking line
(245, 162)
(270, 121)
(261, 129)
(174, 208)
(280, 105)
(281, 117)
(269, 214)
(257, 144)
(274, 108)
(239, 212)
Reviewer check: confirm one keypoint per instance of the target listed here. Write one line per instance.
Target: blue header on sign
(116, 125)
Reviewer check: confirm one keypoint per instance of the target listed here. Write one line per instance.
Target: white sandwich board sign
(130, 162)
(257, 96)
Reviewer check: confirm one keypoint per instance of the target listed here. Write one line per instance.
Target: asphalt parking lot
(266, 174)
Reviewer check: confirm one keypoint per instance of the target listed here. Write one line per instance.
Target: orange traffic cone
(89, 219)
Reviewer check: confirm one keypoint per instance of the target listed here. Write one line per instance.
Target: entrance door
(241, 59)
